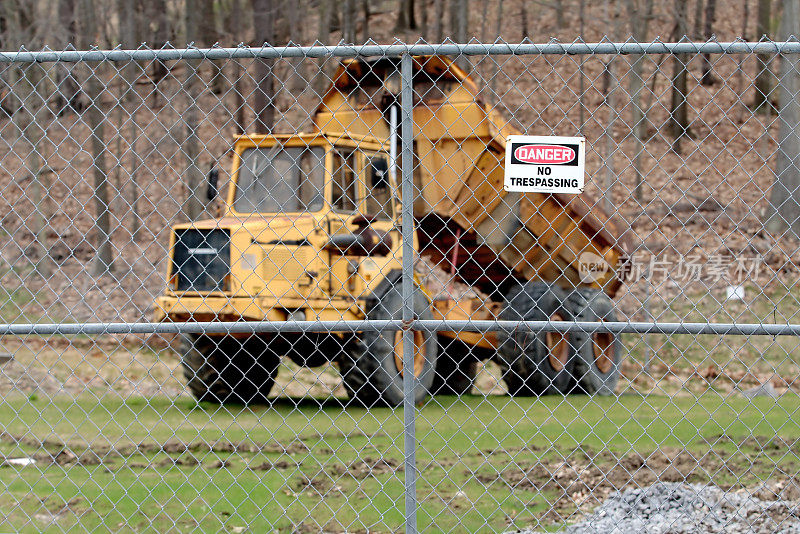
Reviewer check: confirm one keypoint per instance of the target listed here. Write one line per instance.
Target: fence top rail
(451, 49)
(221, 327)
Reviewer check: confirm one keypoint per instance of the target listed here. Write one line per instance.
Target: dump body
(466, 222)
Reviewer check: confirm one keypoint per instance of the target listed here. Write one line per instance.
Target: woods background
(98, 159)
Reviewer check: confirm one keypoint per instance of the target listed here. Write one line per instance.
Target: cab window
(345, 182)
(379, 193)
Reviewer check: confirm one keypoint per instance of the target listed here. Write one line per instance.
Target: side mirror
(212, 181)
(379, 173)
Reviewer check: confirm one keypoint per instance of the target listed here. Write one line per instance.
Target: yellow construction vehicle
(310, 230)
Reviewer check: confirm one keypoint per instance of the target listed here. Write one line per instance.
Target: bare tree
(438, 20)
(697, 34)
(349, 21)
(423, 18)
(209, 36)
(581, 74)
(29, 115)
(365, 21)
(678, 123)
(233, 25)
(783, 212)
(739, 69)
(68, 93)
(523, 19)
(193, 176)
(610, 85)
(763, 83)
(155, 12)
(406, 19)
(94, 114)
(326, 11)
(129, 36)
(493, 75)
(558, 6)
(639, 14)
(326, 16)
(264, 101)
(459, 11)
(710, 14)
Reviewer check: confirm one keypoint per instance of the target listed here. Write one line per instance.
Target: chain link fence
(206, 327)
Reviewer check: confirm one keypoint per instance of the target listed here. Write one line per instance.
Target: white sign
(541, 164)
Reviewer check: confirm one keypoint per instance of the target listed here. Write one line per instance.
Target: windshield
(278, 179)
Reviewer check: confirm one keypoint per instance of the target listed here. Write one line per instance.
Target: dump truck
(310, 230)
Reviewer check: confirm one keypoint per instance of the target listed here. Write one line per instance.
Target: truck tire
(536, 363)
(456, 367)
(372, 363)
(227, 369)
(598, 355)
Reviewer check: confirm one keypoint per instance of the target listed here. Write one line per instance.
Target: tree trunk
(103, 258)
(68, 93)
(156, 14)
(438, 20)
(783, 213)
(697, 34)
(405, 16)
(493, 75)
(610, 91)
(639, 16)
(264, 101)
(523, 19)
(459, 11)
(740, 88)
(581, 74)
(232, 27)
(193, 176)
(324, 30)
(365, 26)
(326, 12)
(678, 124)
(129, 37)
(423, 18)
(29, 120)
(28, 107)
(763, 84)
(209, 36)
(707, 77)
(558, 5)
(348, 21)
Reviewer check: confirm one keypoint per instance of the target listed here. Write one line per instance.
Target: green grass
(467, 450)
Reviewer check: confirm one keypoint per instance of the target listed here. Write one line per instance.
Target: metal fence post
(407, 194)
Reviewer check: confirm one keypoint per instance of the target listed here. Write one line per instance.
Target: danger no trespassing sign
(541, 164)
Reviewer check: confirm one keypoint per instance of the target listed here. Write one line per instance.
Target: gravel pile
(677, 508)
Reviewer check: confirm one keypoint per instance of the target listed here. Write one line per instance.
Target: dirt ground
(137, 367)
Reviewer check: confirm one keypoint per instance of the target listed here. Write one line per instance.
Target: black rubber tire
(456, 367)
(227, 369)
(523, 356)
(594, 305)
(367, 365)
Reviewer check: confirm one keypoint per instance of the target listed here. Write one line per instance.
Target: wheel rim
(557, 346)
(603, 348)
(419, 352)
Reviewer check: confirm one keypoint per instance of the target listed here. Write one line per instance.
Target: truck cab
(308, 229)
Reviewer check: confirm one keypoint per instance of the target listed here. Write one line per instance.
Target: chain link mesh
(207, 327)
